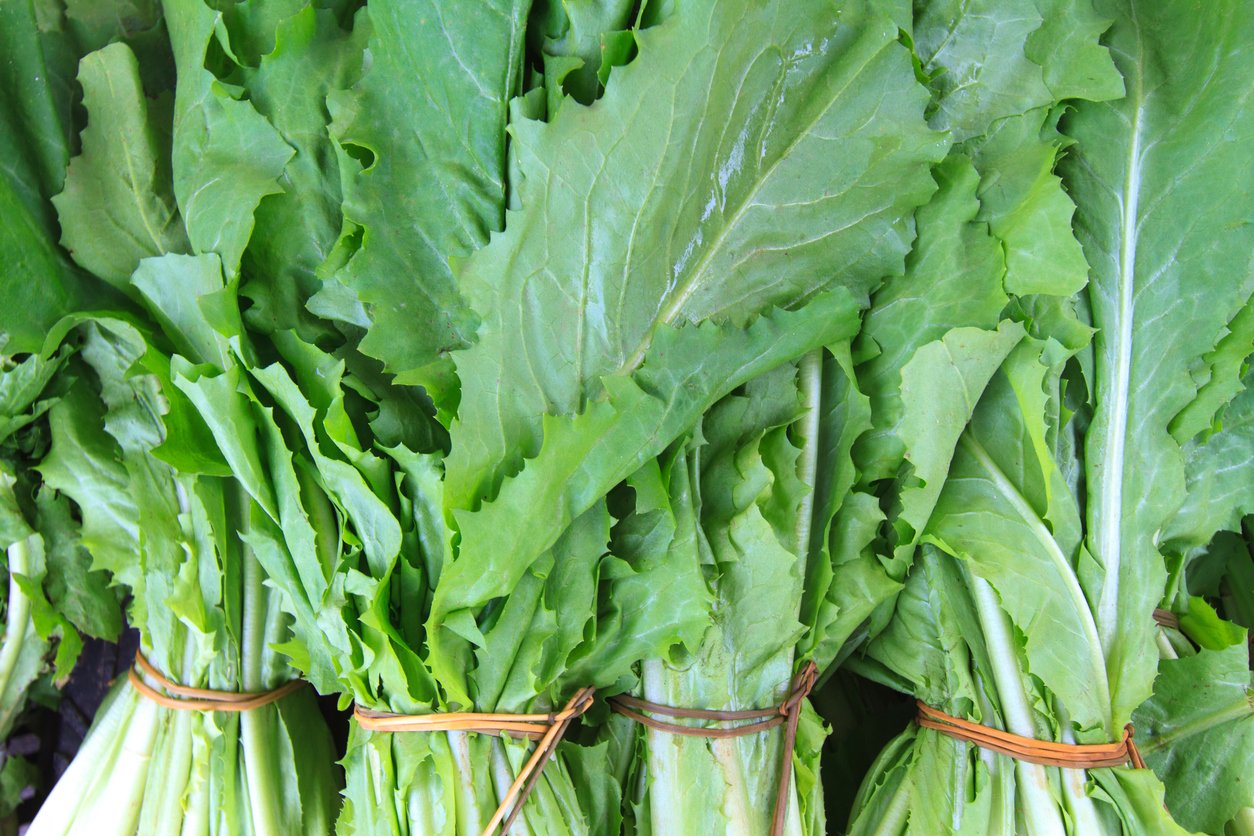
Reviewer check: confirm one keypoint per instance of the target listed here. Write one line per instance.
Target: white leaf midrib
(1110, 529)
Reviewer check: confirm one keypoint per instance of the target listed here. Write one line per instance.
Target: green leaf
(36, 81)
(1218, 487)
(940, 386)
(953, 279)
(1197, 734)
(1160, 217)
(1224, 367)
(430, 112)
(16, 776)
(737, 187)
(990, 59)
(118, 203)
(1007, 510)
(311, 56)
(226, 156)
(584, 456)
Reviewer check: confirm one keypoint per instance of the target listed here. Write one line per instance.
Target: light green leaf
(1219, 488)
(427, 125)
(584, 456)
(953, 279)
(1197, 734)
(990, 59)
(798, 177)
(311, 56)
(1007, 511)
(226, 156)
(940, 386)
(1164, 225)
(118, 204)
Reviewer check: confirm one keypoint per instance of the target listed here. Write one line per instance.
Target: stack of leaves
(180, 545)
(460, 356)
(160, 512)
(1198, 729)
(1030, 606)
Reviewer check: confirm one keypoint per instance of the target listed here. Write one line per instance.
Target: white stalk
(255, 741)
(1041, 814)
(663, 790)
(467, 810)
(736, 790)
(503, 776)
(96, 761)
(1075, 793)
(1110, 487)
(18, 616)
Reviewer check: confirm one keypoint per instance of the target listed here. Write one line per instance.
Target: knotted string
(787, 714)
(547, 728)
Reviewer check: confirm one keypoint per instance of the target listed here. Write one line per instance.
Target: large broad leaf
(40, 284)
(761, 193)
(1006, 510)
(297, 228)
(428, 123)
(733, 166)
(1164, 224)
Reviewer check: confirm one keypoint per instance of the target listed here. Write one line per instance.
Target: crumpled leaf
(226, 156)
(118, 203)
(430, 110)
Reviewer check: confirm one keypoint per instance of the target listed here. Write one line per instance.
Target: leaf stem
(1041, 813)
(18, 617)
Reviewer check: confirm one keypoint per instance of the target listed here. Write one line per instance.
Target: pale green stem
(163, 801)
(95, 762)
(503, 775)
(257, 747)
(663, 790)
(467, 803)
(811, 379)
(18, 616)
(1041, 814)
(1243, 823)
(1165, 650)
(1075, 796)
(736, 795)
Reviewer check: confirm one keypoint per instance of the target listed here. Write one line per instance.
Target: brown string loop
(546, 728)
(182, 698)
(1044, 752)
(1166, 618)
(787, 713)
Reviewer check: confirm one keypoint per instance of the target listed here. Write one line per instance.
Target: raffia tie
(546, 728)
(182, 698)
(787, 714)
(1166, 618)
(1044, 752)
